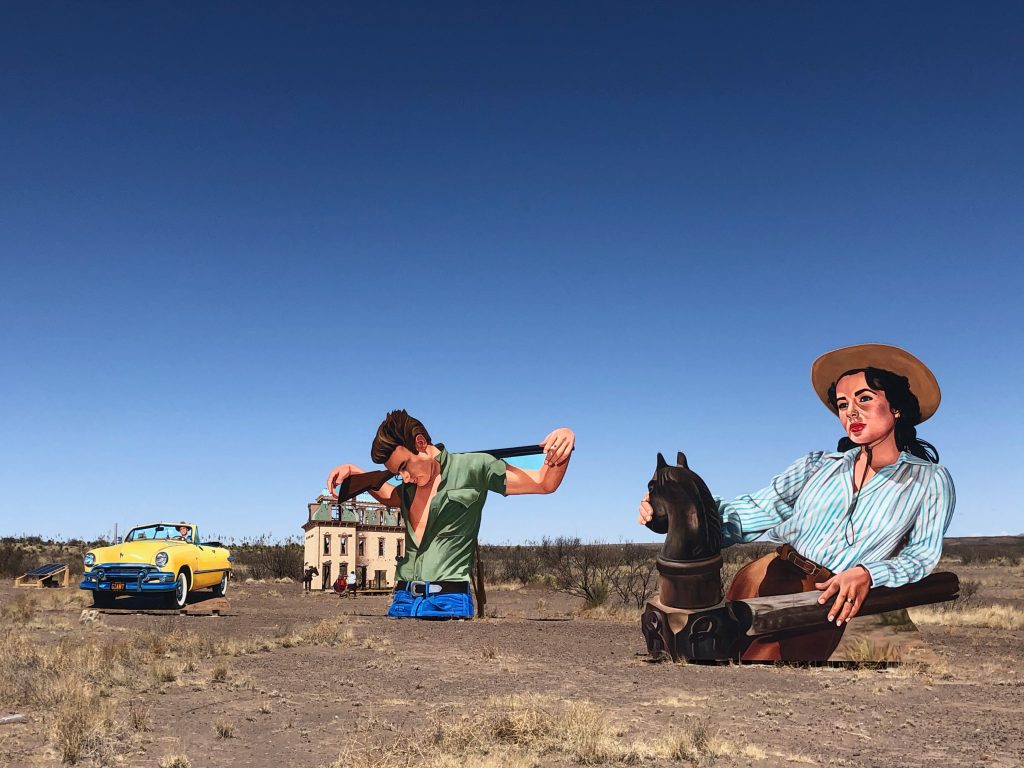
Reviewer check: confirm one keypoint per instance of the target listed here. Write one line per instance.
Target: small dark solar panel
(46, 570)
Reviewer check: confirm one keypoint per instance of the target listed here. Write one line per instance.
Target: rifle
(353, 485)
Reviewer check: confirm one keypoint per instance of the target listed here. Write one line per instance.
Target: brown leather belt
(809, 567)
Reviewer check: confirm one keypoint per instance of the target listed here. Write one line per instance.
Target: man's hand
(850, 587)
(337, 475)
(558, 446)
(646, 510)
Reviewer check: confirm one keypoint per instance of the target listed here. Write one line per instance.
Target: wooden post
(477, 577)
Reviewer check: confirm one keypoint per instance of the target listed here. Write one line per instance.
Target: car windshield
(160, 532)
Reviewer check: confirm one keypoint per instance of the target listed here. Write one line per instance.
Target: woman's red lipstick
(856, 428)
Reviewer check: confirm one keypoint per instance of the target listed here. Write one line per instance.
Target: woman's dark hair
(397, 429)
(897, 392)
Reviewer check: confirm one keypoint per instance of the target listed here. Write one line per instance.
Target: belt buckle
(412, 588)
(803, 564)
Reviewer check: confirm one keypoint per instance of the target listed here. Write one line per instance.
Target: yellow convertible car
(167, 559)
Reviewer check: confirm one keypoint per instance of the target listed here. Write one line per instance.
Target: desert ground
(287, 678)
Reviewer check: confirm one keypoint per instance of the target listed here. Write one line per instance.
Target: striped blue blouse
(806, 507)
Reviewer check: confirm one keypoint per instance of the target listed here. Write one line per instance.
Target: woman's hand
(558, 446)
(337, 475)
(646, 510)
(850, 587)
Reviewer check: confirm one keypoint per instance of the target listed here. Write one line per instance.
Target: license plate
(117, 586)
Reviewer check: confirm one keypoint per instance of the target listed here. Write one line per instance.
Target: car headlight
(89, 559)
(161, 559)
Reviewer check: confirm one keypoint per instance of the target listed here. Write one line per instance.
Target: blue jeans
(451, 606)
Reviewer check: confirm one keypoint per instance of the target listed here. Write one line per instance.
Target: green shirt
(453, 521)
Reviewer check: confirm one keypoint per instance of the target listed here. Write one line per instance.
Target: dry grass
(220, 672)
(610, 611)
(82, 726)
(372, 643)
(521, 730)
(19, 611)
(991, 616)
(865, 652)
(174, 761)
(138, 716)
(331, 632)
(225, 730)
(83, 684)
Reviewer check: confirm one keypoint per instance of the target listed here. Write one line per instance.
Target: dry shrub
(164, 672)
(225, 730)
(330, 632)
(991, 616)
(373, 643)
(866, 652)
(220, 672)
(693, 743)
(174, 761)
(138, 716)
(83, 726)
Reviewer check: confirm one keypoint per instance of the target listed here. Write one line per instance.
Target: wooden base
(705, 634)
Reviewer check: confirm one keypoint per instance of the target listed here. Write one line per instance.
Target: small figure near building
(308, 572)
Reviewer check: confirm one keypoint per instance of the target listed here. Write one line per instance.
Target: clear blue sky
(232, 236)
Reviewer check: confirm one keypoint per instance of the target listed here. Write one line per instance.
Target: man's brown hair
(397, 429)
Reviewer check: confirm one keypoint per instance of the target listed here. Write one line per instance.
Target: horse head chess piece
(690, 563)
(689, 618)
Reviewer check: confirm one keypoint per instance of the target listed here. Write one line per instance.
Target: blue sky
(232, 237)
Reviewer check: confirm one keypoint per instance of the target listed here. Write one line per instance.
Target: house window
(380, 547)
(327, 543)
(398, 551)
(344, 545)
(362, 547)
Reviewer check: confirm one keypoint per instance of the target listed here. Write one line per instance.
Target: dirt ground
(392, 681)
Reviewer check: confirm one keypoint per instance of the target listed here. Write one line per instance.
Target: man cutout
(442, 497)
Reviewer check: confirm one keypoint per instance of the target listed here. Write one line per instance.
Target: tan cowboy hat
(830, 366)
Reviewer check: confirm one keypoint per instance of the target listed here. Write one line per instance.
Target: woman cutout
(873, 513)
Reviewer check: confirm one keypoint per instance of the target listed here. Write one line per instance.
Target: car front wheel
(177, 598)
(221, 589)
